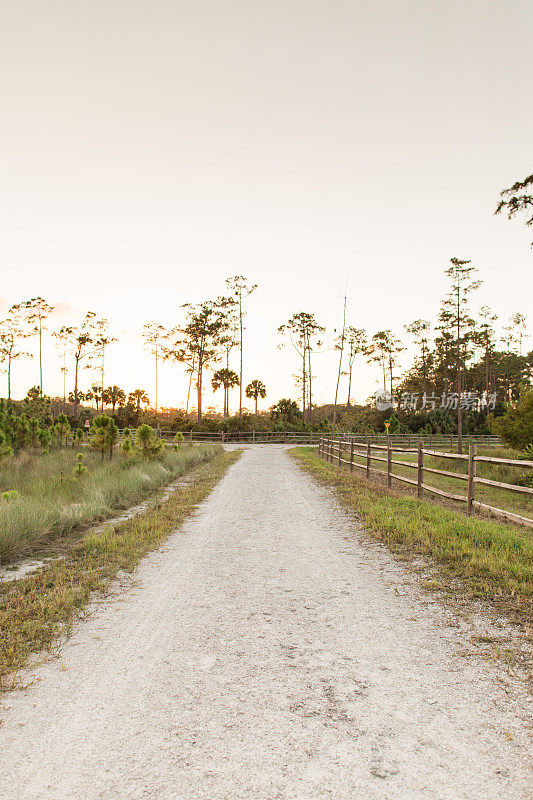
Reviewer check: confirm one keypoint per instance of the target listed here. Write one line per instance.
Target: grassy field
(53, 502)
(36, 610)
(499, 498)
(492, 560)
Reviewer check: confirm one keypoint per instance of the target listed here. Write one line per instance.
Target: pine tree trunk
(199, 392)
(459, 408)
(76, 389)
(310, 383)
(304, 371)
(240, 370)
(40, 358)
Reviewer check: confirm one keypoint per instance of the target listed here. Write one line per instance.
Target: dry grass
(53, 503)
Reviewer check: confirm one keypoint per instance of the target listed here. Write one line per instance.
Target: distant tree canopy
(286, 410)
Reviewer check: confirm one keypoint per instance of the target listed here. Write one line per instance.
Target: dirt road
(267, 651)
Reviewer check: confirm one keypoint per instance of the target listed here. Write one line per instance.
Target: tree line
(458, 353)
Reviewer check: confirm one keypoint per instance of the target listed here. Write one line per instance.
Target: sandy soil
(267, 651)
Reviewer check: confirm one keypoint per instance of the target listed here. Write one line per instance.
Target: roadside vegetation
(492, 560)
(46, 497)
(35, 611)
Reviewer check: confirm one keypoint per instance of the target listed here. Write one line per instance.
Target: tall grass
(53, 502)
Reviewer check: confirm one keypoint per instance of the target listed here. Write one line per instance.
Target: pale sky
(151, 149)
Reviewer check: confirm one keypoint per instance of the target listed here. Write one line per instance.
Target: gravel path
(266, 651)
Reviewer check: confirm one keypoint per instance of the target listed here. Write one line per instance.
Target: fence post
(368, 458)
(420, 473)
(340, 442)
(472, 450)
(351, 455)
(389, 465)
(190, 436)
(253, 437)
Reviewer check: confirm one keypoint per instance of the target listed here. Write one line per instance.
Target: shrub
(45, 439)
(5, 447)
(127, 446)
(80, 468)
(11, 494)
(62, 429)
(148, 443)
(103, 435)
(515, 427)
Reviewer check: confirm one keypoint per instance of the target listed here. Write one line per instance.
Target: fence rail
(333, 449)
(313, 438)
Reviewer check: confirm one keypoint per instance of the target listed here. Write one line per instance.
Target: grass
(499, 498)
(493, 561)
(36, 610)
(54, 503)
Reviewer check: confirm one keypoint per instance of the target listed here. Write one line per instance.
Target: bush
(5, 447)
(515, 427)
(148, 443)
(10, 494)
(127, 446)
(80, 468)
(103, 435)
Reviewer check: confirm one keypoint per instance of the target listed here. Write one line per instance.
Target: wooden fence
(312, 438)
(333, 451)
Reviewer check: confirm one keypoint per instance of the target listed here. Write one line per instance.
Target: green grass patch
(51, 502)
(494, 561)
(35, 611)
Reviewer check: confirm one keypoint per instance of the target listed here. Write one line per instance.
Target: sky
(149, 150)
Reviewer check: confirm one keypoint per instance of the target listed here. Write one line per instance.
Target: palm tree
(228, 379)
(115, 395)
(97, 393)
(255, 389)
(138, 397)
